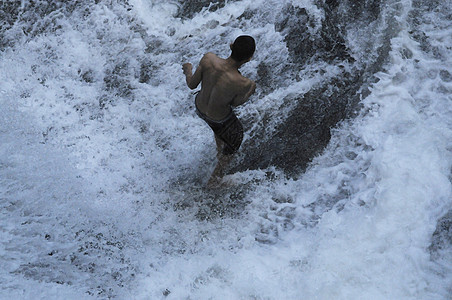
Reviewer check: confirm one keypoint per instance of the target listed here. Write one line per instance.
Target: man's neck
(233, 63)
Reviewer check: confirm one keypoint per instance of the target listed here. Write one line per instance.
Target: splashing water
(341, 190)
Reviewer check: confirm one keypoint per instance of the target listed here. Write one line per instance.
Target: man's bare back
(222, 85)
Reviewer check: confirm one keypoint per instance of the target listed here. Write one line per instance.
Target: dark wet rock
(189, 8)
(295, 27)
(9, 11)
(304, 42)
(442, 237)
(306, 131)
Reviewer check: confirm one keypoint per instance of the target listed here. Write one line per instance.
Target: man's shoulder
(207, 60)
(209, 56)
(242, 80)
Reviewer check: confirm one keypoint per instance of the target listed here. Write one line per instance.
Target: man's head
(243, 48)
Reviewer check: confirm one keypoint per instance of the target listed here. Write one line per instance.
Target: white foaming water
(99, 161)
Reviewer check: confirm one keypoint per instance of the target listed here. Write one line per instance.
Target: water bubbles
(406, 53)
(103, 159)
(445, 75)
(432, 73)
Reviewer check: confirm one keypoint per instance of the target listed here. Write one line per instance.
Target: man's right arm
(192, 80)
(246, 92)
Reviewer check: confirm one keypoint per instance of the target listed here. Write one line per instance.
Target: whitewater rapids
(342, 188)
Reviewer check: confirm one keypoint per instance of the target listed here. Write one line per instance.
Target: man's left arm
(246, 92)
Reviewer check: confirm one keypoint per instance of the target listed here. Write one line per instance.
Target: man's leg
(223, 162)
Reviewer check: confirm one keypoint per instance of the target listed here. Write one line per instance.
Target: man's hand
(188, 68)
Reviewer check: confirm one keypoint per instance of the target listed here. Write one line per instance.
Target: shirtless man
(222, 87)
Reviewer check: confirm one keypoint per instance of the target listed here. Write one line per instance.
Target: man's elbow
(238, 102)
(192, 86)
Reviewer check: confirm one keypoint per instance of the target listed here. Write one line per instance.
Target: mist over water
(341, 189)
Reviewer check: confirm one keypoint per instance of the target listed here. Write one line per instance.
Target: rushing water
(341, 190)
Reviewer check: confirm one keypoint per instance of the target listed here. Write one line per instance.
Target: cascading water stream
(341, 189)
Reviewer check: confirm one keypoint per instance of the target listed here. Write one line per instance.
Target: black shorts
(229, 130)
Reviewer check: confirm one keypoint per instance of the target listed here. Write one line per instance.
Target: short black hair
(243, 48)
